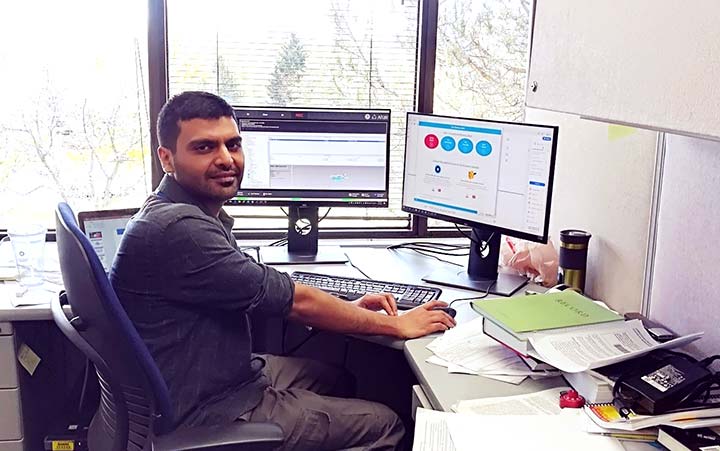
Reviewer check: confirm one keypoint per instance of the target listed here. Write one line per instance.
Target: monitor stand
(481, 274)
(302, 247)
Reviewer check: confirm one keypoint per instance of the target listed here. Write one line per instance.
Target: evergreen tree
(288, 72)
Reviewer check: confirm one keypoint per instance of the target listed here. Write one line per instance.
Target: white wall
(685, 293)
(603, 184)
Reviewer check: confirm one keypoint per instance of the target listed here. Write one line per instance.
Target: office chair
(135, 409)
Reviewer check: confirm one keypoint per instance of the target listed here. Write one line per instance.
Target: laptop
(104, 228)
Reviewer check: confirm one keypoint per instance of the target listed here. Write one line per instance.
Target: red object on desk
(571, 399)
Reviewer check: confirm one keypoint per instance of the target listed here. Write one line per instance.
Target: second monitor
(495, 177)
(305, 158)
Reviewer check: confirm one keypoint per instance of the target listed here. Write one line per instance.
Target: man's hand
(423, 320)
(378, 301)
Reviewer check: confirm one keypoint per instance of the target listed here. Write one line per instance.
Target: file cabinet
(11, 430)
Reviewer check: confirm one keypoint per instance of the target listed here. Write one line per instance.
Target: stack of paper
(607, 416)
(568, 330)
(580, 349)
(466, 349)
(442, 431)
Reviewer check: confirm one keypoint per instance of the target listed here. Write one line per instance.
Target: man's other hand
(378, 301)
(423, 320)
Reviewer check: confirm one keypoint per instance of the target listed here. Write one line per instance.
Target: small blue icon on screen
(484, 148)
(465, 145)
(448, 143)
(437, 169)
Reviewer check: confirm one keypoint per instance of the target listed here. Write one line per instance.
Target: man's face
(208, 159)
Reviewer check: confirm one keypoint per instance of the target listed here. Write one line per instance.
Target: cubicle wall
(603, 184)
(653, 64)
(685, 292)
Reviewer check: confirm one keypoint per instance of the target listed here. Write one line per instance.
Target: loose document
(579, 349)
(466, 349)
(444, 431)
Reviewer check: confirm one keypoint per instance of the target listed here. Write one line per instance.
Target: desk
(441, 389)
(19, 391)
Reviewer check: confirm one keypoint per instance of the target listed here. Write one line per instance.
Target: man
(189, 290)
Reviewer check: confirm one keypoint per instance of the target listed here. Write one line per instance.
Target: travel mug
(573, 258)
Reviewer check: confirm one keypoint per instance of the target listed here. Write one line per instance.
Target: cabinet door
(641, 62)
(8, 365)
(10, 427)
(6, 328)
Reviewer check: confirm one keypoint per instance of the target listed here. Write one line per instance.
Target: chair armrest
(237, 436)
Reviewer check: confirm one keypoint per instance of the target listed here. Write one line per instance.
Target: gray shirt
(188, 290)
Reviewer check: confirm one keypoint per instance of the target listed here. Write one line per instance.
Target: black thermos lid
(572, 236)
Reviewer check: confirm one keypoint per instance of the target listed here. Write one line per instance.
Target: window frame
(425, 80)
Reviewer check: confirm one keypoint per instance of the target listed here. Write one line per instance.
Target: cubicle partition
(685, 282)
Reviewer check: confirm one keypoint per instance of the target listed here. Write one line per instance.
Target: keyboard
(350, 288)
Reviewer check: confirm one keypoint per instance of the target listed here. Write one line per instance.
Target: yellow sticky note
(28, 359)
(619, 131)
(63, 445)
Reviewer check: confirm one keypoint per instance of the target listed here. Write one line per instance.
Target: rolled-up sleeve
(209, 271)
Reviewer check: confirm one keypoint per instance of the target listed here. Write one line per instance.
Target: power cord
(474, 298)
(356, 267)
(254, 248)
(426, 252)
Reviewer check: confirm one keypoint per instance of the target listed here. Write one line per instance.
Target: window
(74, 110)
(482, 59)
(329, 53)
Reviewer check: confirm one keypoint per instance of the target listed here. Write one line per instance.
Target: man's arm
(314, 307)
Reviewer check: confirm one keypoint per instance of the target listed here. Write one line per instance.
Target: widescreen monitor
(304, 158)
(493, 176)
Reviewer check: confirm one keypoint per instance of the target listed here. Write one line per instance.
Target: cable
(426, 254)
(462, 232)
(284, 241)
(437, 248)
(254, 248)
(356, 267)
(706, 362)
(280, 242)
(430, 245)
(475, 298)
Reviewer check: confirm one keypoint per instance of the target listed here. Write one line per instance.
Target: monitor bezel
(101, 215)
(382, 202)
(462, 221)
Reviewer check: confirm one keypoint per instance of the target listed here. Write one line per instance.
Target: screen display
(480, 173)
(105, 235)
(314, 156)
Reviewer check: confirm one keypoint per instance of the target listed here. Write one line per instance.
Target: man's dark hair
(184, 107)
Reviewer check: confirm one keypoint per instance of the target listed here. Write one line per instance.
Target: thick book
(700, 439)
(535, 364)
(546, 311)
(517, 342)
(594, 390)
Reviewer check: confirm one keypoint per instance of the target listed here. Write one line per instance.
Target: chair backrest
(134, 401)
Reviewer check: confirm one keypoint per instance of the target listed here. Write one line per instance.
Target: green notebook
(544, 311)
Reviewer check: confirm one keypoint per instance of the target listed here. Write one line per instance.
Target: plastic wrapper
(536, 261)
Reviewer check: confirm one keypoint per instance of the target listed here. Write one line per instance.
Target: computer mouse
(449, 310)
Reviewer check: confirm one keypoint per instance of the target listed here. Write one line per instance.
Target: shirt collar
(174, 192)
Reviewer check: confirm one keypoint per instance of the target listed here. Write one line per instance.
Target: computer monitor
(305, 158)
(104, 229)
(493, 176)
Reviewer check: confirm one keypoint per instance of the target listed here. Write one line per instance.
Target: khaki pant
(301, 401)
